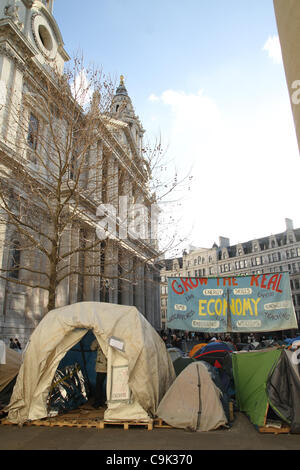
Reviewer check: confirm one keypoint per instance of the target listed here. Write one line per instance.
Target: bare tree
(57, 166)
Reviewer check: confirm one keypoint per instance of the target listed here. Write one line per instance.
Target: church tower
(123, 110)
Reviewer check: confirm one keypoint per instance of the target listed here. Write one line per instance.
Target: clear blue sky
(197, 71)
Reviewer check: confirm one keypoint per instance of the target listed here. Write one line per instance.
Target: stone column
(111, 270)
(62, 291)
(149, 311)
(74, 261)
(156, 300)
(88, 281)
(126, 285)
(140, 288)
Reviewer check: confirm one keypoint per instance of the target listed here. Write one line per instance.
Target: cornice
(9, 31)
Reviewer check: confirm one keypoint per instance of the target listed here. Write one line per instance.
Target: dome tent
(193, 401)
(141, 359)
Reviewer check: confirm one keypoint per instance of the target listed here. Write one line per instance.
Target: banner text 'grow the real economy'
(237, 304)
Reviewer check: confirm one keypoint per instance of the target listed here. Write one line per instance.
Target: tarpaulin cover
(144, 358)
(193, 401)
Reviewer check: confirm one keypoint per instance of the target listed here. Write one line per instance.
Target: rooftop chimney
(289, 224)
(224, 242)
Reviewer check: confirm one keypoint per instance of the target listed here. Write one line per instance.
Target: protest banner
(231, 304)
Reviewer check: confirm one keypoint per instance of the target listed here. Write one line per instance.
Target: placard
(119, 384)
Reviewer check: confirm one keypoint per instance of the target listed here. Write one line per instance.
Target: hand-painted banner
(231, 304)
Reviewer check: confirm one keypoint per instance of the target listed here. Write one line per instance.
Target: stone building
(287, 14)
(270, 254)
(31, 46)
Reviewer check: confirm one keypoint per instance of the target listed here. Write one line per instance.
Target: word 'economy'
(236, 307)
(182, 285)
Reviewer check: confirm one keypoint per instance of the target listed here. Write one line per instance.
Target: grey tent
(175, 353)
(139, 371)
(193, 401)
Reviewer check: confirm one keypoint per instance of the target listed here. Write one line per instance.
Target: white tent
(9, 367)
(193, 401)
(139, 371)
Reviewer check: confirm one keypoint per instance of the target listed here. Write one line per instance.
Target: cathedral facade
(96, 246)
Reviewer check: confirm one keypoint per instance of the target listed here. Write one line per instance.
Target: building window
(33, 128)
(258, 260)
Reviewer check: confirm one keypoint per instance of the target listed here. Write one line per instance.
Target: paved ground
(241, 436)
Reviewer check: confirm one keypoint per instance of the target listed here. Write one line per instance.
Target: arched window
(14, 262)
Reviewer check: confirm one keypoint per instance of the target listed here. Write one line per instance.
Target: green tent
(267, 380)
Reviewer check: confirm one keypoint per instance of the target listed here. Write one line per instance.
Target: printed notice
(119, 384)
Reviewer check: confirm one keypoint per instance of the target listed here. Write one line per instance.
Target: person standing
(101, 373)
(12, 344)
(17, 343)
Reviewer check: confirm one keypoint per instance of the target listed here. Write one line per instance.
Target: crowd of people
(181, 339)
